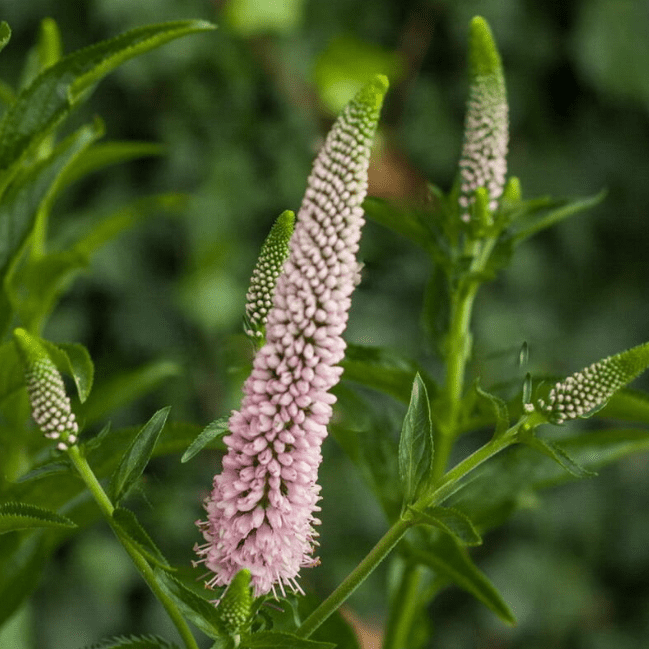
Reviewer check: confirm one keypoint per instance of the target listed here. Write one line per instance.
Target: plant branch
(355, 578)
(107, 509)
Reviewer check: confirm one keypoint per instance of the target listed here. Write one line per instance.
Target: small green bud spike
(235, 606)
(259, 298)
(585, 392)
(483, 161)
(51, 407)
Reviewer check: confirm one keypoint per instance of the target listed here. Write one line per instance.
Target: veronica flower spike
(483, 162)
(260, 514)
(585, 392)
(50, 403)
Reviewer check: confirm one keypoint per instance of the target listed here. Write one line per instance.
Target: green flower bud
(259, 298)
(50, 404)
(235, 606)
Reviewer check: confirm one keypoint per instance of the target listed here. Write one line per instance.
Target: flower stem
(107, 509)
(404, 609)
(458, 351)
(355, 578)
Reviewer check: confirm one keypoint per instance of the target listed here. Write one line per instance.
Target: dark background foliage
(241, 112)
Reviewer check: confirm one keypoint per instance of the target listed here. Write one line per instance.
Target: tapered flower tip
(30, 347)
(484, 59)
(371, 95)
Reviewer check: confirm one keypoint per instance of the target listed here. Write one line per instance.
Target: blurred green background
(241, 112)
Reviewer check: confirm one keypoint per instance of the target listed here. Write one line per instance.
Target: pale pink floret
(261, 510)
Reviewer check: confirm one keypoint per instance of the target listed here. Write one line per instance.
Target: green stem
(404, 610)
(107, 509)
(449, 482)
(355, 578)
(458, 351)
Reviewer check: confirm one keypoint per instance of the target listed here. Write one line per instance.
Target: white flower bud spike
(483, 162)
(50, 404)
(585, 392)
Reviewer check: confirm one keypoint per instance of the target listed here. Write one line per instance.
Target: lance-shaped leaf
(212, 431)
(134, 642)
(585, 392)
(259, 298)
(129, 525)
(483, 162)
(452, 561)
(53, 93)
(137, 455)
(22, 516)
(195, 608)
(556, 453)
(21, 204)
(416, 443)
(450, 520)
(277, 640)
(498, 406)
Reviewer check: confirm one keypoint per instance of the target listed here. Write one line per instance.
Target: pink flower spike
(260, 514)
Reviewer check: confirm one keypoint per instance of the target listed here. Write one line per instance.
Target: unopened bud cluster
(585, 391)
(51, 408)
(274, 252)
(483, 162)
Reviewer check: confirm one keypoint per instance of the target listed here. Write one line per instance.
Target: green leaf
(452, 521)
(127, 217)
(627, 405)
(20, 206)
(12, 375)
(106, 154)
(498, 406)
(5, 34)
(549, 218)
(449, 559)
(134, 642)
(510, 480)
(73, 359)
(46, 470)
(195, 608)
(366, 436)
(404, 221)
(93, 443)
(416, 443)
(137, 455)
(275, 640)
(21, 516)
(383, 370)
(128, 523)
(50, 97)
(216, 429)
(556, 453)
(125, 388)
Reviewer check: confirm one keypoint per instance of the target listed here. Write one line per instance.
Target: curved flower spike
(51, 407)
(483, 162)
(259, 298)
(260, 515)
(584, 392)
